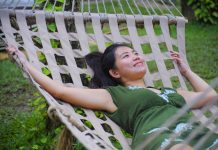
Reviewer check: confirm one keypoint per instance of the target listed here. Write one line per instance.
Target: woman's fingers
(176, 58)
(175, 54)
(11, 49)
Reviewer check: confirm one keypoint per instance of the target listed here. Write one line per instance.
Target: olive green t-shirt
(141, 112)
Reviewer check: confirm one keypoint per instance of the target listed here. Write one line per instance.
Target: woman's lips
(138, 64)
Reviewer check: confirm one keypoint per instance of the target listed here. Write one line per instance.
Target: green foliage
(46, 71)
(55, 43)
(50, 5)
(28, 130)
(205, 10)
(52, 27)
(115, 142)
(100, 115)
(126, 134)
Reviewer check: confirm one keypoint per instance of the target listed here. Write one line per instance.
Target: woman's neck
(139, 83)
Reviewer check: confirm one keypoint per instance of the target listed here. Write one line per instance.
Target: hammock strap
(164, 75)
(136, 42)
(168, 40)
(99, 37)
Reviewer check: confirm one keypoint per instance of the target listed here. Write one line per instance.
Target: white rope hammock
(66, 63)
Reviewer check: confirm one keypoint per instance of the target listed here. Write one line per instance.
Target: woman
(122, 94)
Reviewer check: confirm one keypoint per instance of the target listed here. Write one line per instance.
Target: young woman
(119, 91)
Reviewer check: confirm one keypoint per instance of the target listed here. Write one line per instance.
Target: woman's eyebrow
(133, 51)
(123, 53)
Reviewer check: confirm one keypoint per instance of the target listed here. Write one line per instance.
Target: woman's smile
(139, 63)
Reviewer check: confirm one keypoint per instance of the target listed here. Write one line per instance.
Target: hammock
(64, 61)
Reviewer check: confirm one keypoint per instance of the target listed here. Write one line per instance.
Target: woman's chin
(141, 74)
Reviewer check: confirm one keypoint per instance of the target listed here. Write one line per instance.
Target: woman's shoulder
(117, 88)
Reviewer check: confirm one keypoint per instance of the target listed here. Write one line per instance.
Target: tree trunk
(187, 11)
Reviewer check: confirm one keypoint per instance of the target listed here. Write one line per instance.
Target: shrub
(205, 10)
(28, 130)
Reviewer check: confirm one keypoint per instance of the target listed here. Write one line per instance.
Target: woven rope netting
(56, 42)
(149, 7)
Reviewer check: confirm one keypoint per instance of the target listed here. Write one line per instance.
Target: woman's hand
(183, 68)
(16, 54)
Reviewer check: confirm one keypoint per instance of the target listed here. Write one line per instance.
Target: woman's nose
(136, 57)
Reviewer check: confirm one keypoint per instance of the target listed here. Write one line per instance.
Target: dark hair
(101, 63)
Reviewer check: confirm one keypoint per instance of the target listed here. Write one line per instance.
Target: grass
(16, 92)
(202, 49)
(23, 113)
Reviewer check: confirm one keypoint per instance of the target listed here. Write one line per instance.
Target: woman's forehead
(123, 49)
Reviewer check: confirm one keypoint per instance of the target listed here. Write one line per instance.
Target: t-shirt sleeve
(115, 93)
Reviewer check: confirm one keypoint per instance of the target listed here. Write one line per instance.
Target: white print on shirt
(165, 94)
(181, 127)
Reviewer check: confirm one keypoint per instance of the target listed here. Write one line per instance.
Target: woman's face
(129, 64)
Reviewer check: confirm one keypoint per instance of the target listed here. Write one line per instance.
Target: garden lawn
(15, 91)
(202, 49)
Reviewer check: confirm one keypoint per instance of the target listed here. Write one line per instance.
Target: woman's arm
(198, 84)
(89, 98)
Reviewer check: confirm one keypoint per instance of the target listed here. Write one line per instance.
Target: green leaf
(37, 101)
(211, 20)
(41, 57)
(46, 71)
(212, 5)
(197, 12)
(21, 148)
(54, 43)
(49, 7)
(52, 27)
(88, 77)
(37, 40)
(44, 140)
(190, 2)
(58, 8)
(58, 130)
(88, 124)
(34, 29)
(39, 1)
(62, 1)
(35, 147)
(34, 129)
(215, 14)
(40, 107)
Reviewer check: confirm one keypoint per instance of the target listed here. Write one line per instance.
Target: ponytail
(101, 63)
(100, 79)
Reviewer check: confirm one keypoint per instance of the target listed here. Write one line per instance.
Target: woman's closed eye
(125, 56)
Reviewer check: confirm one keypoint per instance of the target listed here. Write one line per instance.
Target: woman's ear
(114, 73)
